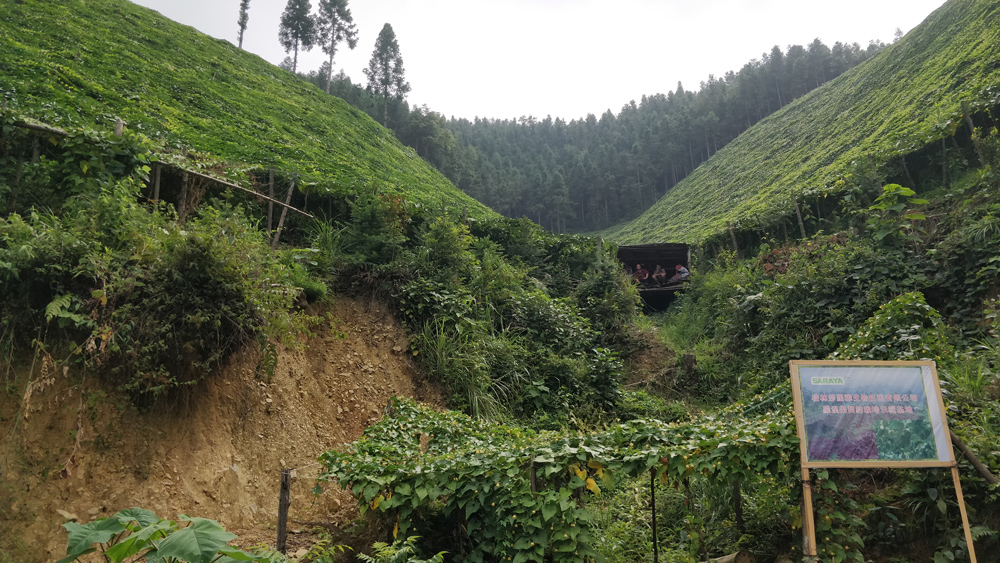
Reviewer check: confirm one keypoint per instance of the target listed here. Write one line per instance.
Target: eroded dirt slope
(67, 449)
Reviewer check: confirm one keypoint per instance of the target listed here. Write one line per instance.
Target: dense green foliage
(898, 102)
(506, 493)
(157, 304)
(84, 63)
(515, 321)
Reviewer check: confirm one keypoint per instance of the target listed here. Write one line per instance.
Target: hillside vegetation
(889, 106)
(84, 63)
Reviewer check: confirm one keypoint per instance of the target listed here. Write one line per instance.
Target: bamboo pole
(270, 195)
(284, 212)
(247, 190)
(965, 516)
(983, 470)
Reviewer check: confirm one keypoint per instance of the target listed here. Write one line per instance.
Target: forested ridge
(590, 173)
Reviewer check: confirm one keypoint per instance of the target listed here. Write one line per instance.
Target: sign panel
(870, 414)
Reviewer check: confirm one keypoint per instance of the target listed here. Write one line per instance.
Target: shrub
(905, 328)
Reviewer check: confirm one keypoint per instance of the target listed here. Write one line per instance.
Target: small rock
(94, 511)
(301, 552)
(67, 515)
(397, 349)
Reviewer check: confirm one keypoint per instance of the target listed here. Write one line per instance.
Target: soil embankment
(70, 448)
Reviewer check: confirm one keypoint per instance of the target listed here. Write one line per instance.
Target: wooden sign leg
(965, 516)
(808, 524)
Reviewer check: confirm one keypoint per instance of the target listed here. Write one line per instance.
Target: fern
(57, 308)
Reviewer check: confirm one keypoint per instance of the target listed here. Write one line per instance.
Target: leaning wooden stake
(283, 502)
(983, 470)
(284, 212)
(270, 194)
(798, 215)
(732, 235)
(972, 133)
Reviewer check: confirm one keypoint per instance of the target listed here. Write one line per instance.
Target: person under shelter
(682, 274)
(640, 274)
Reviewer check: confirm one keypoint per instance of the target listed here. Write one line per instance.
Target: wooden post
(36, 149)
(798, 215)
(972, 132)
(808, 524)
(701, 255)
(283, 502)
(119, 127)
(270, 194)
(156, 183)
(284, 212)
(182, 203)
(738, 506)
(732, 235)
(652, 508)
(944, 163)
(965, 516)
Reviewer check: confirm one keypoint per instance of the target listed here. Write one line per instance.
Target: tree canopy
(385, 71)
(334, 24)
(297, 29)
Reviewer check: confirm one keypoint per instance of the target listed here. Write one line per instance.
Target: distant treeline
(592, 173)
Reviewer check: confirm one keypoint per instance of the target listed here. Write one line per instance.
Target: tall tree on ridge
(244, 18)
(297, 29)
(385, 70)
(334, 24)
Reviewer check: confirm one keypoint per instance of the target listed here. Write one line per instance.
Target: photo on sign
(860, 413)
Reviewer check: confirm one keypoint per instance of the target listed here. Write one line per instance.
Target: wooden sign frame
(945, 452)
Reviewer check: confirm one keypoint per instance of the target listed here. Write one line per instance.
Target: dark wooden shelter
(667, 255)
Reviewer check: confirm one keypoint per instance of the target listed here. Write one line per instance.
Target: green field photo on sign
(852, 413)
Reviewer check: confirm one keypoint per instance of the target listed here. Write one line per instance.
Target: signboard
(870, 414)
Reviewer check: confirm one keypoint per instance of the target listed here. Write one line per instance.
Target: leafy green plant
(400, 551)
(137, 532)
(893, 217)
(904, 328)
(512, 492)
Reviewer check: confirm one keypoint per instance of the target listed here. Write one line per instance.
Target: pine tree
(334, 24)
(297, 29)
(244, 18)
(385, 71)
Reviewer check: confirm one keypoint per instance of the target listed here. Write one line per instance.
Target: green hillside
(891, 105)
(84, 63)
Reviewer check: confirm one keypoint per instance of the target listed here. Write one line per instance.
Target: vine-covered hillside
(85, 63)
(889, 106)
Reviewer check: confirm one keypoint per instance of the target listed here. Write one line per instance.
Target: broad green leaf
(141, 515)
(198, 543)
(82, 536)
(72, 558)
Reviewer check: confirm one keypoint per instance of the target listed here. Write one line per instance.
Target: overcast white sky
(565, 58)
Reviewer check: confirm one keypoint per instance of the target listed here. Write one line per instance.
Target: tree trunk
(329, 70)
